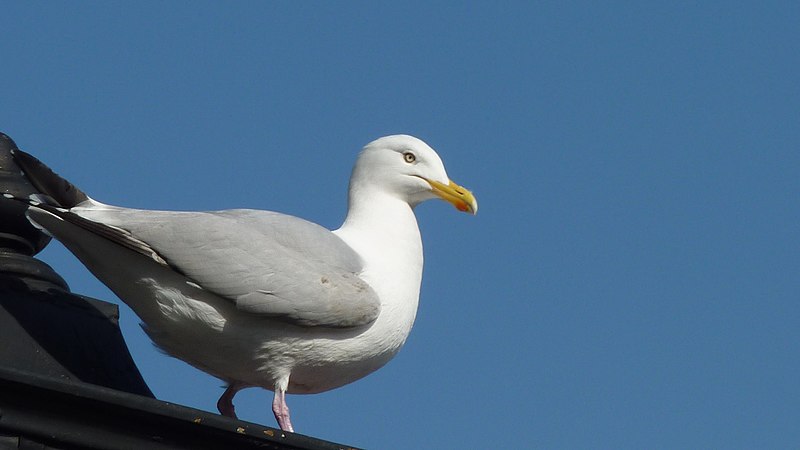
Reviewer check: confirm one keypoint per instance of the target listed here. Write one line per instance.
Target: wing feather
(267, 263)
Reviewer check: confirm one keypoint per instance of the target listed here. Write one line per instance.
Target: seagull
(259, 298)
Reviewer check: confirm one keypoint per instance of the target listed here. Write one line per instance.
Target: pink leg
(225, 403)
(281, 410)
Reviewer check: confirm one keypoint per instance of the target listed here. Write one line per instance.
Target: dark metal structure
(67, 380)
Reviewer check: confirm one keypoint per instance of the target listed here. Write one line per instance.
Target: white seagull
(259, 298)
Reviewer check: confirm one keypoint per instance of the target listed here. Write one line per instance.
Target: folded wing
(267, 263)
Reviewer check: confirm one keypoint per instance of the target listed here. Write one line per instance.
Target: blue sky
(632, 279)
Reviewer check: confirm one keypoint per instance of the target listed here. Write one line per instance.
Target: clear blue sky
(632, 279)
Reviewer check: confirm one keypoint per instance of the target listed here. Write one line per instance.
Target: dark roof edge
(56, 411)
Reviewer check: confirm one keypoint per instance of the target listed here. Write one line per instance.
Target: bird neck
(379, 226)
(383, 230)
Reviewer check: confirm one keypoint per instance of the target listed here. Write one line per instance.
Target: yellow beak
(459, 196)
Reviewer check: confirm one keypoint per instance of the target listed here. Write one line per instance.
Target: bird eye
(409, 157)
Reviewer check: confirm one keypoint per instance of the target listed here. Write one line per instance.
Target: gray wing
(267, 263)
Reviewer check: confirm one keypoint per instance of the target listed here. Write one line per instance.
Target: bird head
(408, 167)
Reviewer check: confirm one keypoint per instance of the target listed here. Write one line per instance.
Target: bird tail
(51, 209)
(63, 193)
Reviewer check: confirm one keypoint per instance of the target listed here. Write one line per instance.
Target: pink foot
(281, 410)
(225, 402)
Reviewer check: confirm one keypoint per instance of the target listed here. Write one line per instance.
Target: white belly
(209, 333)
